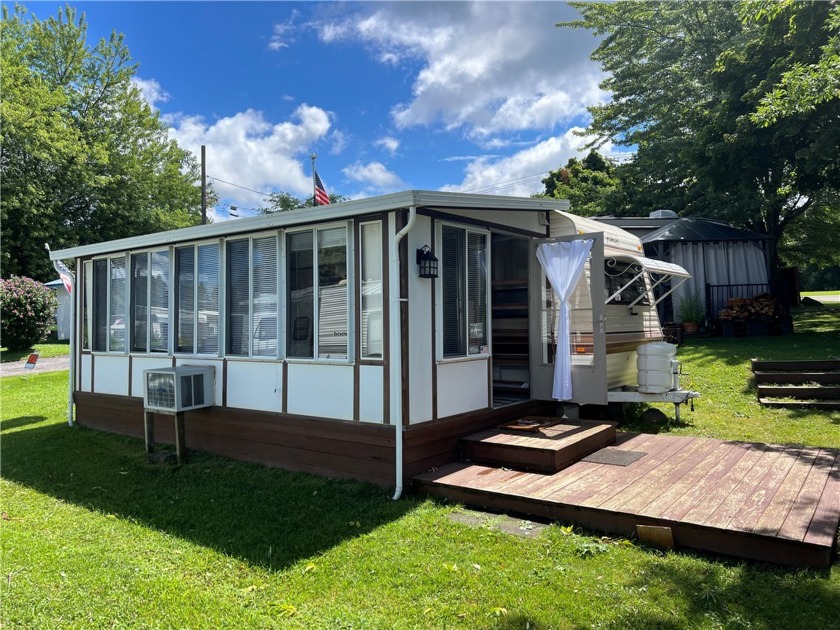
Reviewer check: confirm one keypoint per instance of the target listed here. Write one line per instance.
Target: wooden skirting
(331, 448)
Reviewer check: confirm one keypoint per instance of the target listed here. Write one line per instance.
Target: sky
(482, 97)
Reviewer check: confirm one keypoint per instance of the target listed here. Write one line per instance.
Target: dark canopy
(697, 230)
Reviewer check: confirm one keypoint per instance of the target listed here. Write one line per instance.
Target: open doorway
(509, 325)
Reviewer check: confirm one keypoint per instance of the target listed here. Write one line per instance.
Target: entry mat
(613, 456)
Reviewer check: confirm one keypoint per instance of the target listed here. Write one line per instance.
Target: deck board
(770, 503)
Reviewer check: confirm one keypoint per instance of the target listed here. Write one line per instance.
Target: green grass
(46, 350)
(817, 293)
(95, 536)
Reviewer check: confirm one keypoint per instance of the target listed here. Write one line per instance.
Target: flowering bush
(27, 312)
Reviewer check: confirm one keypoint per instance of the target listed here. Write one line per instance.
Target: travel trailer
(362, 339)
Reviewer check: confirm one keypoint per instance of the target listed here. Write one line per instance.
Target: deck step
(797, 378)
(549, 449)
(822, 405)
(796, 365)
(821, 392)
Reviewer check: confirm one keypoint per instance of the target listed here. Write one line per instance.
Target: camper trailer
(362, 339)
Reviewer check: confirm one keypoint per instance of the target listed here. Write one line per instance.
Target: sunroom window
(150, 301)
(252, 277)
(317, 293)
(463, 291)
(108, 305)
(197, 270)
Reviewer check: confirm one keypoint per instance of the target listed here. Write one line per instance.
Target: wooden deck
(777, 504)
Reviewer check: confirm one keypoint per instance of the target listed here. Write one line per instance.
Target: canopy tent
(714, 252)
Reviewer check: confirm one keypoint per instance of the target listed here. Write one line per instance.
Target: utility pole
(203, 186)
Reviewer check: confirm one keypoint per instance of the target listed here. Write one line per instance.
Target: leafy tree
(84, 158)
(28, 309)
(283, 201)
(688, 80)
(591, 185)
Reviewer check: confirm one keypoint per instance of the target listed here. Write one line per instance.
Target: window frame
(175, 287)
(360, 266)
(94, 311)
(350, 265)
(225, 292)
(170, 263)
(439, 296)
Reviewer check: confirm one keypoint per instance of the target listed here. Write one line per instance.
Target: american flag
(65, 274)
(321, 196)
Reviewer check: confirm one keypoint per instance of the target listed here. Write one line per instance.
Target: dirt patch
(500, 522)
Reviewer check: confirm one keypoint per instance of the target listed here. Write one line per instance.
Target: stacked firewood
(762, 307)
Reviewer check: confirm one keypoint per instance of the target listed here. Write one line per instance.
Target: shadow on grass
(22, 421)
(265, 516)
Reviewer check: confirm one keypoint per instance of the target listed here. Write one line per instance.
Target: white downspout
(396, 349)
(71, 377)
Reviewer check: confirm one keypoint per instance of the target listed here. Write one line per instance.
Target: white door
(587, 330)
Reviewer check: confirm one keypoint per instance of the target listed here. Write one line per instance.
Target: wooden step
(797, 378)
(549, 449)
(822, 405)
(796, 365)
(816, 392)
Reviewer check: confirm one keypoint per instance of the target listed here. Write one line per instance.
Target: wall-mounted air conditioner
(182, 388)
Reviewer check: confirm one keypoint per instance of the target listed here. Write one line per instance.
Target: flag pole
(314, 157)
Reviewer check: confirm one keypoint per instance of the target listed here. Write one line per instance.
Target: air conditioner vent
(172, 390)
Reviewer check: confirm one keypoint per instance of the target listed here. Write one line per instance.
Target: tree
(591, 185)
(283, 201)
(687, 80)
(84, 157)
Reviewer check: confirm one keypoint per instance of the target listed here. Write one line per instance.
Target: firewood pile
(763, 307)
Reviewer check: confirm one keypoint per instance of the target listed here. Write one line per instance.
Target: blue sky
(461, 96)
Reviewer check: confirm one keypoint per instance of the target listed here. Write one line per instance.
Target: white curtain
(563, 263)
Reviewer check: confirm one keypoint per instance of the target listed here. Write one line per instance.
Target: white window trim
(383, 259)
(195, 245)
(126, 288)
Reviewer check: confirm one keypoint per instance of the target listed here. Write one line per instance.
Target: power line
(259, 192)
(509, 183)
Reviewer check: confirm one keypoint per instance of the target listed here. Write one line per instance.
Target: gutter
(396, 349)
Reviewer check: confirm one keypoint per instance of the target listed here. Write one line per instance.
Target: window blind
(238, 297)
(208, 298)
(264, 324)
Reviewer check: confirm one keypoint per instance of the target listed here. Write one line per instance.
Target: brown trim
(284, 398)
(130, 361)
(225, 382)
(404, 338)
(496, 227)
(434, 329)
(92, 372)
(386, 318)
(357, 315)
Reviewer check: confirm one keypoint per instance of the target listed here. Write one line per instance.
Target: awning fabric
(659, 266)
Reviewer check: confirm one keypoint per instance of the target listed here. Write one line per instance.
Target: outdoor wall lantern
(427, 262)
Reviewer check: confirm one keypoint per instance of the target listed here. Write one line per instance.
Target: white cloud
(151, 91)
(389, 143)
(485, 68)
(248, 150)
(282, 34)
(520, 174)
(374, 176)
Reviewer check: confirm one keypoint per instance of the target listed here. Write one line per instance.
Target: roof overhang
(320, 214)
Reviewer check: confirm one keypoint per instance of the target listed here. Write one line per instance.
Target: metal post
(180, 438)
(203, 186)
(149, 426)
(313, 157)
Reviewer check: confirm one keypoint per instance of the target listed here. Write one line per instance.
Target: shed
(64, 312)
(725, 262)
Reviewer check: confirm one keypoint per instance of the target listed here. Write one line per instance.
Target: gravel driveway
(52, 364)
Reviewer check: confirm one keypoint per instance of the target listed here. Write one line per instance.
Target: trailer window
(252, 297)
(197, 300)
(617, 274)
(149, 302)
(370, 256)
(109, 304)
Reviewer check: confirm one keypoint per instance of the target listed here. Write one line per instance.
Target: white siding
(371, 382)
(139, 364)
(110, 375)
(419, 327)
(519, 219)
(319, 390)
(86, 372)
(255, 385)
(462, 386)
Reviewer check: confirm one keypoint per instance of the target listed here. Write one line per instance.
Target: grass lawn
(94, 536)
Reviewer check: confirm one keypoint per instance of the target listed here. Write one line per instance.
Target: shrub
(27, 312)
(691, 307)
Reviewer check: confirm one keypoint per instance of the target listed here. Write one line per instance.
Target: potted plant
(692, 311)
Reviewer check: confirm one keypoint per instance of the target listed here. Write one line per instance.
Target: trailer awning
(663, 271)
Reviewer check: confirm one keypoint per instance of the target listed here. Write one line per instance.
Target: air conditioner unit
(177, 389)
